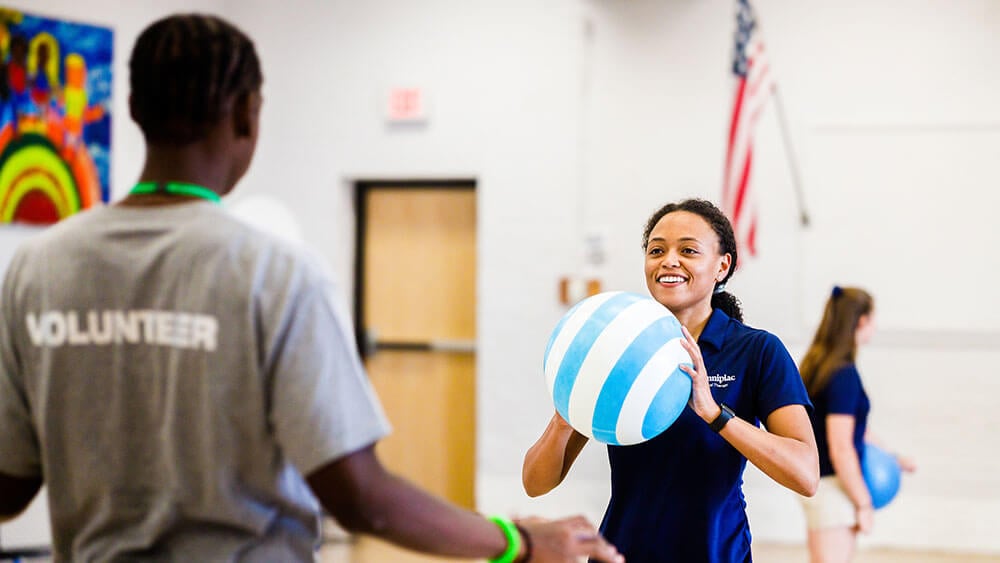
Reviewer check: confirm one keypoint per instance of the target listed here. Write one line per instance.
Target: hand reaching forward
(906, 464)
(567, 540)
(701, 401)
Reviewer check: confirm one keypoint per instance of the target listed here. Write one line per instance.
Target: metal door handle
(372, 345)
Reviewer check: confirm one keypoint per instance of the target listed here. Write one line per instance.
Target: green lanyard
(176, 188)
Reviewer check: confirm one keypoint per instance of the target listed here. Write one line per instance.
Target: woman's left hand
(701, 401)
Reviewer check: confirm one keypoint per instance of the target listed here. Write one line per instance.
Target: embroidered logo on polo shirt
(721, 380)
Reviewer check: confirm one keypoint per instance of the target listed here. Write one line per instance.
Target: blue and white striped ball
(612, 366)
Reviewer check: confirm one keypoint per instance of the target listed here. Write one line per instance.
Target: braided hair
(187, 72)
(716, 219)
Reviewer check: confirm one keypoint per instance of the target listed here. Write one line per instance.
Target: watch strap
(720, 421)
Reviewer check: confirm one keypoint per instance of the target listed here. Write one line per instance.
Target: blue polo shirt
(679, 497)
(843, 394)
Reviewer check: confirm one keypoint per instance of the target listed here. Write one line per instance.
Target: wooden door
(418, 312)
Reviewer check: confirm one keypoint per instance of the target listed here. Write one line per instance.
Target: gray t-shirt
(172, 373)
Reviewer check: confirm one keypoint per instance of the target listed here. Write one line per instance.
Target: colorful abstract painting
(55, 117)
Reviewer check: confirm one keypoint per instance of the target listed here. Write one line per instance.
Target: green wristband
(513, 540)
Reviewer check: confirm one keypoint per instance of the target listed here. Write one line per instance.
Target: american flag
(752, 91)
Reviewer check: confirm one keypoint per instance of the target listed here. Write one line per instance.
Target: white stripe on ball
(568, 332)
(606, 350)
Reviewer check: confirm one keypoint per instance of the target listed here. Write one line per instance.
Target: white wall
(503, 80)
(579, 117)
(892, 112)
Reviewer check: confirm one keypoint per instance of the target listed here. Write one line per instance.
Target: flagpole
(793, 163)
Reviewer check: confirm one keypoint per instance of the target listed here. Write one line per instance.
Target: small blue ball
(882, 474)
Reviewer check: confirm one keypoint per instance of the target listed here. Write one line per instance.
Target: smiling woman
(679, 495)
(705, 246)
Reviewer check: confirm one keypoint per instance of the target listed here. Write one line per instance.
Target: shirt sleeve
(843, 392)
(780, 383)
(323, 406)
(19, 451)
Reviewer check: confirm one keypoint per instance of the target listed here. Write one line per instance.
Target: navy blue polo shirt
(843, 394)
(679, 497)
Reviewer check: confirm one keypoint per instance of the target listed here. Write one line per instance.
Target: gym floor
(367, 550)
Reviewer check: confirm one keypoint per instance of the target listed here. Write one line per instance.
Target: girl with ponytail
(842, 506)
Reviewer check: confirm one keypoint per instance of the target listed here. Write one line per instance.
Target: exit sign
(406, 105)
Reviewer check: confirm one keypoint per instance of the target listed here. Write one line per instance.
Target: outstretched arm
(365, 498)
(16, 494)
(786, 451)
(548, 461)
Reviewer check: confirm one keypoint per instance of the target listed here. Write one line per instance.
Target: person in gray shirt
(184, 384)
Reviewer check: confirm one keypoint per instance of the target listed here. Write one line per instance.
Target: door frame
(361, 190)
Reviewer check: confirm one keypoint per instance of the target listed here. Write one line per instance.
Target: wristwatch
(721, 420)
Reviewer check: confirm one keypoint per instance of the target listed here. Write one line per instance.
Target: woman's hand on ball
(701, 401)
